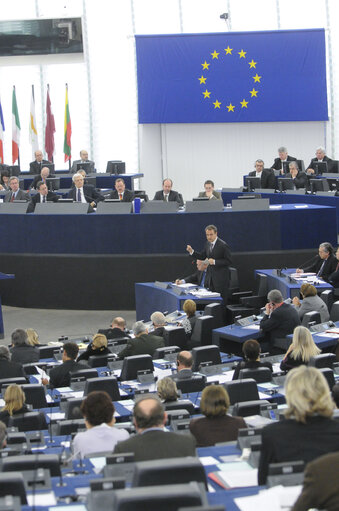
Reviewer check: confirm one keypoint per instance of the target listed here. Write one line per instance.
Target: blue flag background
(232, 77)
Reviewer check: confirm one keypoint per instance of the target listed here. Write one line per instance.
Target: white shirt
(98, 439)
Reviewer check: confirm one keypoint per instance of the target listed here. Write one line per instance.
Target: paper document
(274, 499)
(252, 327)
(300, 206)
(208, 460)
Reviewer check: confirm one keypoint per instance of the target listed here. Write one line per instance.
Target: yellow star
(230, 107)
(244, 103)
(202, 79)
(252, 64)
(228, 50)
(217, 104)
(242, 54)
(206, 94)
(215, 54)
(205, 65)
(256, 78)
(253, 92)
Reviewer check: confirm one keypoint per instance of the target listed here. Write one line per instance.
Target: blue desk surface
(283, 229)
(149, 297)
(288, 289)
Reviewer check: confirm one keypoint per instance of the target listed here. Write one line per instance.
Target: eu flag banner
(232, 77)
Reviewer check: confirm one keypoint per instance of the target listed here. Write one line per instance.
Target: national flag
(67, 130)
(2, 129)
(33, 133)
(15, 129)
(232, 77)
(50, 129)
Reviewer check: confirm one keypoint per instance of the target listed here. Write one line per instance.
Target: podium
(3, 276)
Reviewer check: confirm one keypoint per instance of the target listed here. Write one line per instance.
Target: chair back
(216, 310)
(35, 395)
(108, 384)
(328, 373)
(202, 332)
(311, 317)
(131, 366)
(260, 374)
(242, 390)
(194, 384)
(205, 354)
(323, 360)
(334, 314)
(30, 421)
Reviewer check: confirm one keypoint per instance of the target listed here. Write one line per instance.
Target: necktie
(166, 198)
(79, 195)
(120, 196)
(321, 269)
(44, 198)
(210, 248)
(13, 197)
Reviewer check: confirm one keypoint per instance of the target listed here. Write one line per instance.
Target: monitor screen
(252, 182)
(320, 167)
(86, 166)
(285, 183)
(116, 167)
(319, 185)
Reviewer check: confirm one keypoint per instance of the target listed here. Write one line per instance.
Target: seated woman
(311, 302)
(167, 390)
(216, 426)
(188, 323)
(97, 347)
(33, 337)
(15, 405)
(4, 181)
(309, 430)
(251, 351)
(101, 435)
(301, 349)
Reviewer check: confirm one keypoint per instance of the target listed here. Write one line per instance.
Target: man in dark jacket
(323, 264)
(60, 376)
(143, 343)
(280, 319)
(9, 369)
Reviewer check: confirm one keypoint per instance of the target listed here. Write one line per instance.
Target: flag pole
(18, 144)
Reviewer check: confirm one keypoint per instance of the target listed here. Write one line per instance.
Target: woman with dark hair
(98, 411)
(4, 181)
(251, 351)
(216, 426)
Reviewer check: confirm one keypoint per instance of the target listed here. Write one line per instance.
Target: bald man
(151, 441)
(117, 330)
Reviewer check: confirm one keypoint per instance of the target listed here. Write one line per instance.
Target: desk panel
(287, 289)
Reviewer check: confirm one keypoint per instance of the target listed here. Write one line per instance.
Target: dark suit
(90, 193)
(195, 278)
(183, 374)
(328, 160)
(315, 265)
(39, 178)
(9, 369)
(113, 333)
(75, 163)
(289, 440)
(60, 376)
(282, 322)
(172, 197)
(50, 197)
(20, 195)
(277, 162)
(156, 444)
(35, 166)
(218, 274)
(334, 277)
(24, 354)
(128, 196)
(321, 489)
(145, 344)
(267, 178)
(300, 180)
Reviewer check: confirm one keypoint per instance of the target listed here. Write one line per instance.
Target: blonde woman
(311, 302)
(300, 350)
(309, 430)
(32, 337)
(167, 390)
(15, 404)
(97, 347)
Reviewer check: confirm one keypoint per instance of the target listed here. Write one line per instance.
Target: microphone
(313, 259)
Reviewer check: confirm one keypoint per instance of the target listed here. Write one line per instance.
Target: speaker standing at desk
(219, 257)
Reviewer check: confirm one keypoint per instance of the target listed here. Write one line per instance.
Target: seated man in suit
(167, 194)
(299, 178)
(320, 156)
(151, 441)
(267, 177)
(9, 369)
(323, 264)
(15, 193)
(283, 156)
(84, 193)
(159, 323)
(209, 191)
(44, 174)
(36, 166)
(60, 376)
(42, 196)
(280, 319)
(184, 366)
(143, 343)
(121, 192)
(117, 330)
(199, 277)
(83, 159)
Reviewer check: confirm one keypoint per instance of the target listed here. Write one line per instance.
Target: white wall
(193, 153)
